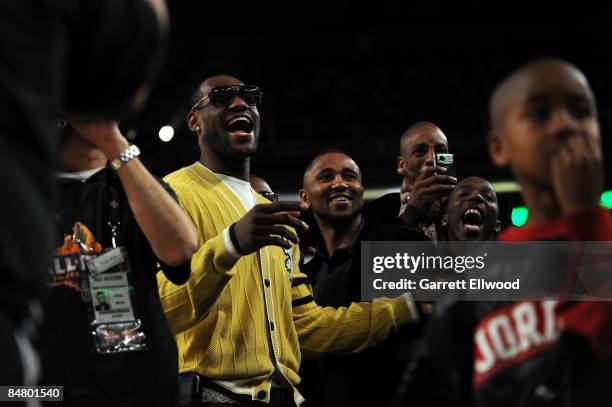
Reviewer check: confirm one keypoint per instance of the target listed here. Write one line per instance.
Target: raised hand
(105, 135)
(264, 225)
(431, 185)
(577, 173)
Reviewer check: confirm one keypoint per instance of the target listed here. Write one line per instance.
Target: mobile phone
(446, 160)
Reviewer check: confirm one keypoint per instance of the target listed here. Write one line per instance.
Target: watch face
(126, 155)
(130, 153)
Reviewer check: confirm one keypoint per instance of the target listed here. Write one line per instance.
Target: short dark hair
(411, 130)
(320, 153)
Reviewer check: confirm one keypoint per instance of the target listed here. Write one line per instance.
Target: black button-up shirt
(336, 282)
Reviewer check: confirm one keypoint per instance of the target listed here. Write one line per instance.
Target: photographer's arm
(170, 232)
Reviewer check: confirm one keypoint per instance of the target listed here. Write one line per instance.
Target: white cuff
(228, 244)
(411, 307)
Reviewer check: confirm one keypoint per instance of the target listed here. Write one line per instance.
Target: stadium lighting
(166, 133)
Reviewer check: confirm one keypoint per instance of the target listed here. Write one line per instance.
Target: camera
(446, 160)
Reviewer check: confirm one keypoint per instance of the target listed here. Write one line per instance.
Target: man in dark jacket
(333, 190)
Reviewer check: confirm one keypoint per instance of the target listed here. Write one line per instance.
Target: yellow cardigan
(241, 321)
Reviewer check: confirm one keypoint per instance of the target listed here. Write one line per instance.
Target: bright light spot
(606, 199)
(166, 133)
(519, 216)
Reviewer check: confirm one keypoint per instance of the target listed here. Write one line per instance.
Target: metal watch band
(125, 156)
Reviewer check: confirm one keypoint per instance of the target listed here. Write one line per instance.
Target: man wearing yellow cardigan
(246, 316)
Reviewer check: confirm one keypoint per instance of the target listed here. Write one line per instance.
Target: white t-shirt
(78, 175)
(241, 188)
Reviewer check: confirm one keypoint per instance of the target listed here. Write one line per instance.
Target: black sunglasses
(224, 95)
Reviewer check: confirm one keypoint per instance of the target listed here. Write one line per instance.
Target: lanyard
(113, 222)
(113, 205)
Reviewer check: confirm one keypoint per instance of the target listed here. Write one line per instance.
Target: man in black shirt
(103, 207)
(334, 192)
(96, 58)
(418, 203)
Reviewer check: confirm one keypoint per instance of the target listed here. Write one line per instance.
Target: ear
(304, 199)
(400, 166)
(192, 122)
(498, 148)
(444, 221)
(497, 227)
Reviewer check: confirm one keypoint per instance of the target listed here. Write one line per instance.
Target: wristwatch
(126, 155)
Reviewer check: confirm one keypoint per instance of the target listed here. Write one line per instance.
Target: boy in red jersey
(544, 127)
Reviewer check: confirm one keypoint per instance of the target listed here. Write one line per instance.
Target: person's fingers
(572, 162)
(594, 147)
(564, 156)
(593, 155)
(429, 171)
(578, 150)
(589, 163)
(267, 230)
(445, 179)
(556, 167)
(275, 241)
(282, 219)
(583, 153)
(437, 189)
(280, 206)
(295, 214)
(423, 196)
(435, 179)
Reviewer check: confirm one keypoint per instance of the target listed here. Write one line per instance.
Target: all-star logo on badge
(67, 263)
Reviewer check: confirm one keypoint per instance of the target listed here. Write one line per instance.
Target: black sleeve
(178, 275)
(440, 371)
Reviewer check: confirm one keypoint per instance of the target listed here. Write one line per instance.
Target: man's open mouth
(239, 123)
(472, 219)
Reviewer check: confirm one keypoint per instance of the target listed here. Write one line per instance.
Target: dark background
(334, 80)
